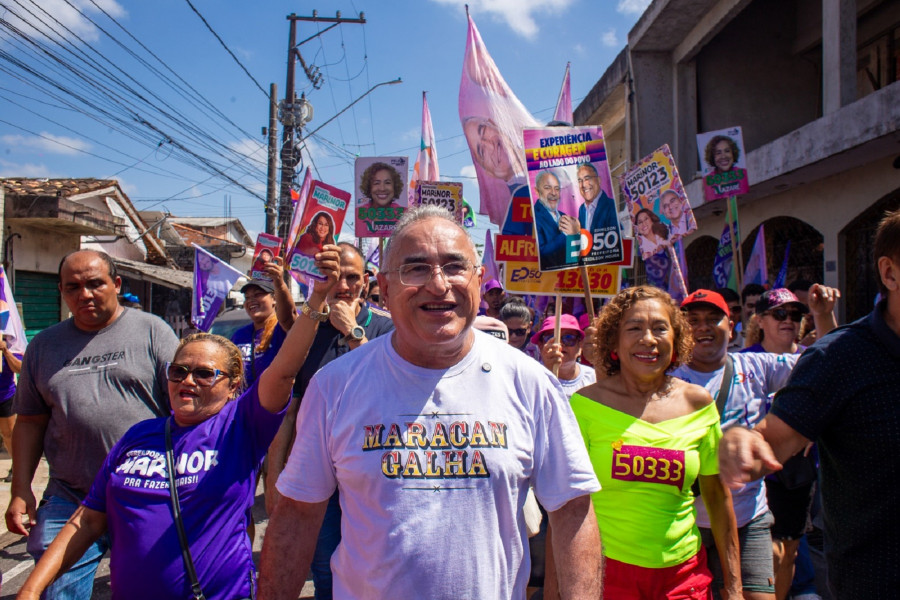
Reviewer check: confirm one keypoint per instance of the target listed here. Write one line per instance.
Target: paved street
(16, 564)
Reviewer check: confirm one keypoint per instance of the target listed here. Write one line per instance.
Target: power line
(227, 49)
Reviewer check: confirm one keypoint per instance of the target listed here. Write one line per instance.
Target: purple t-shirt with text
(216, 463)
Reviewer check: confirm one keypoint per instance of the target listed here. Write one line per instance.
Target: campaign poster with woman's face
(381, 195)
(722, 162)
(323, 216)
(660, 211)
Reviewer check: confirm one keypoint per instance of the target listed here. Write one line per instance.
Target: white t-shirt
(433, 467)
(757, 376)
(586, 376)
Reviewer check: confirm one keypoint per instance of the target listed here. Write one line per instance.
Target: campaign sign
(575, 220)
(659, 208)
(444, 194)
(381, 194)
(723, 162)
(523, 248)
(525, 278)
(323, 216)
(267, 248)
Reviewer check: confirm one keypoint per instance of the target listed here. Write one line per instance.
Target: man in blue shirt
(843, 395)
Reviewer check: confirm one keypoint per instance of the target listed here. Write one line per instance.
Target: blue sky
(48, 132)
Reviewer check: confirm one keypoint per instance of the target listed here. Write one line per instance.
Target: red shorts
(691, 580)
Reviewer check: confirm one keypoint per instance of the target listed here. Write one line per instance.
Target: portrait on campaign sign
(381, 195)
(722, 160)
(660, 211)
(267, 248)
(323, 216)
(574, 212)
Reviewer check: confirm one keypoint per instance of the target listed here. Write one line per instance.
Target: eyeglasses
(518, 331)
(418, 274)
(202, 375)
(567, 339)
(780, 314)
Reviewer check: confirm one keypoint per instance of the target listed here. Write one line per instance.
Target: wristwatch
(356, 335)
(315, 315)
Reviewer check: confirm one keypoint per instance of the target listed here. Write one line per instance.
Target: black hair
(728, 294)
(799, 285)
(752, 289)
(106, 258)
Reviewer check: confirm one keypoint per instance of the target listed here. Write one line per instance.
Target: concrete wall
(826, 204)
(749, 75)
(41, 250)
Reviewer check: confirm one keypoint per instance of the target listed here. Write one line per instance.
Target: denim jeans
(78, 582)
(329, 538)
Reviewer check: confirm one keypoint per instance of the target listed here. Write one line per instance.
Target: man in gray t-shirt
(84, 382)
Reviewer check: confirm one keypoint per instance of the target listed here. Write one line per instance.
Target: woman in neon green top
(649, 437)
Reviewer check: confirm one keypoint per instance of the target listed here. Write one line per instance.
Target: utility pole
(292, 113)
(272, 178)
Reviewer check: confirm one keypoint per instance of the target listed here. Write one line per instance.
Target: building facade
(815, 85)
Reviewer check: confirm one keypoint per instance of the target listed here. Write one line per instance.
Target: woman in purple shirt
(219, 443)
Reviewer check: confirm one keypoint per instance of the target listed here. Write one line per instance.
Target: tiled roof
(53, 187)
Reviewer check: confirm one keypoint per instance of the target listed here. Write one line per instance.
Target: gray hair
(540, 177)
(414, 215)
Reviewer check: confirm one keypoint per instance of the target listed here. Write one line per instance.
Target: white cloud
(248, 147)
(470, 186)
(47, 142)
(519, 15)
(632, 7)
(130, 189)
(609, 38)
(69, 18)
(8, 169)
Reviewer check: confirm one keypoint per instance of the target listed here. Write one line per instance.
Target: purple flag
(782, 273)
(213, 279)
(756, 271)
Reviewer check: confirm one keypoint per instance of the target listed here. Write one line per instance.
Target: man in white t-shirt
(433, 434)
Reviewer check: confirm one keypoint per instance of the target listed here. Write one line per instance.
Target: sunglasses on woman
(780, 314)
(567, 339)
(519, 331)
(202, 375)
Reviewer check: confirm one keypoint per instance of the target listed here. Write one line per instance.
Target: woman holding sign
(650, 436)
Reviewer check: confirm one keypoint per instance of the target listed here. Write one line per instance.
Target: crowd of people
(422, 433)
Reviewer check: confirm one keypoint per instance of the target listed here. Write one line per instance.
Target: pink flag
(299, 202)
(564, 102)
(492, 120)
(491, 270)
(426, 167)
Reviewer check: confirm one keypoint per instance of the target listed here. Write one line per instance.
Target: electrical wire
(227, 49)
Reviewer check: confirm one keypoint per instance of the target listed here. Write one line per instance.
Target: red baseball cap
(708, 297)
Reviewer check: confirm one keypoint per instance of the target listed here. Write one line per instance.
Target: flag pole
(588, 301)
(557, 326)
(737, 259)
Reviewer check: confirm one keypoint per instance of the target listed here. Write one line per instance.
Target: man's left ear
(889, 272)
(118, 283)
